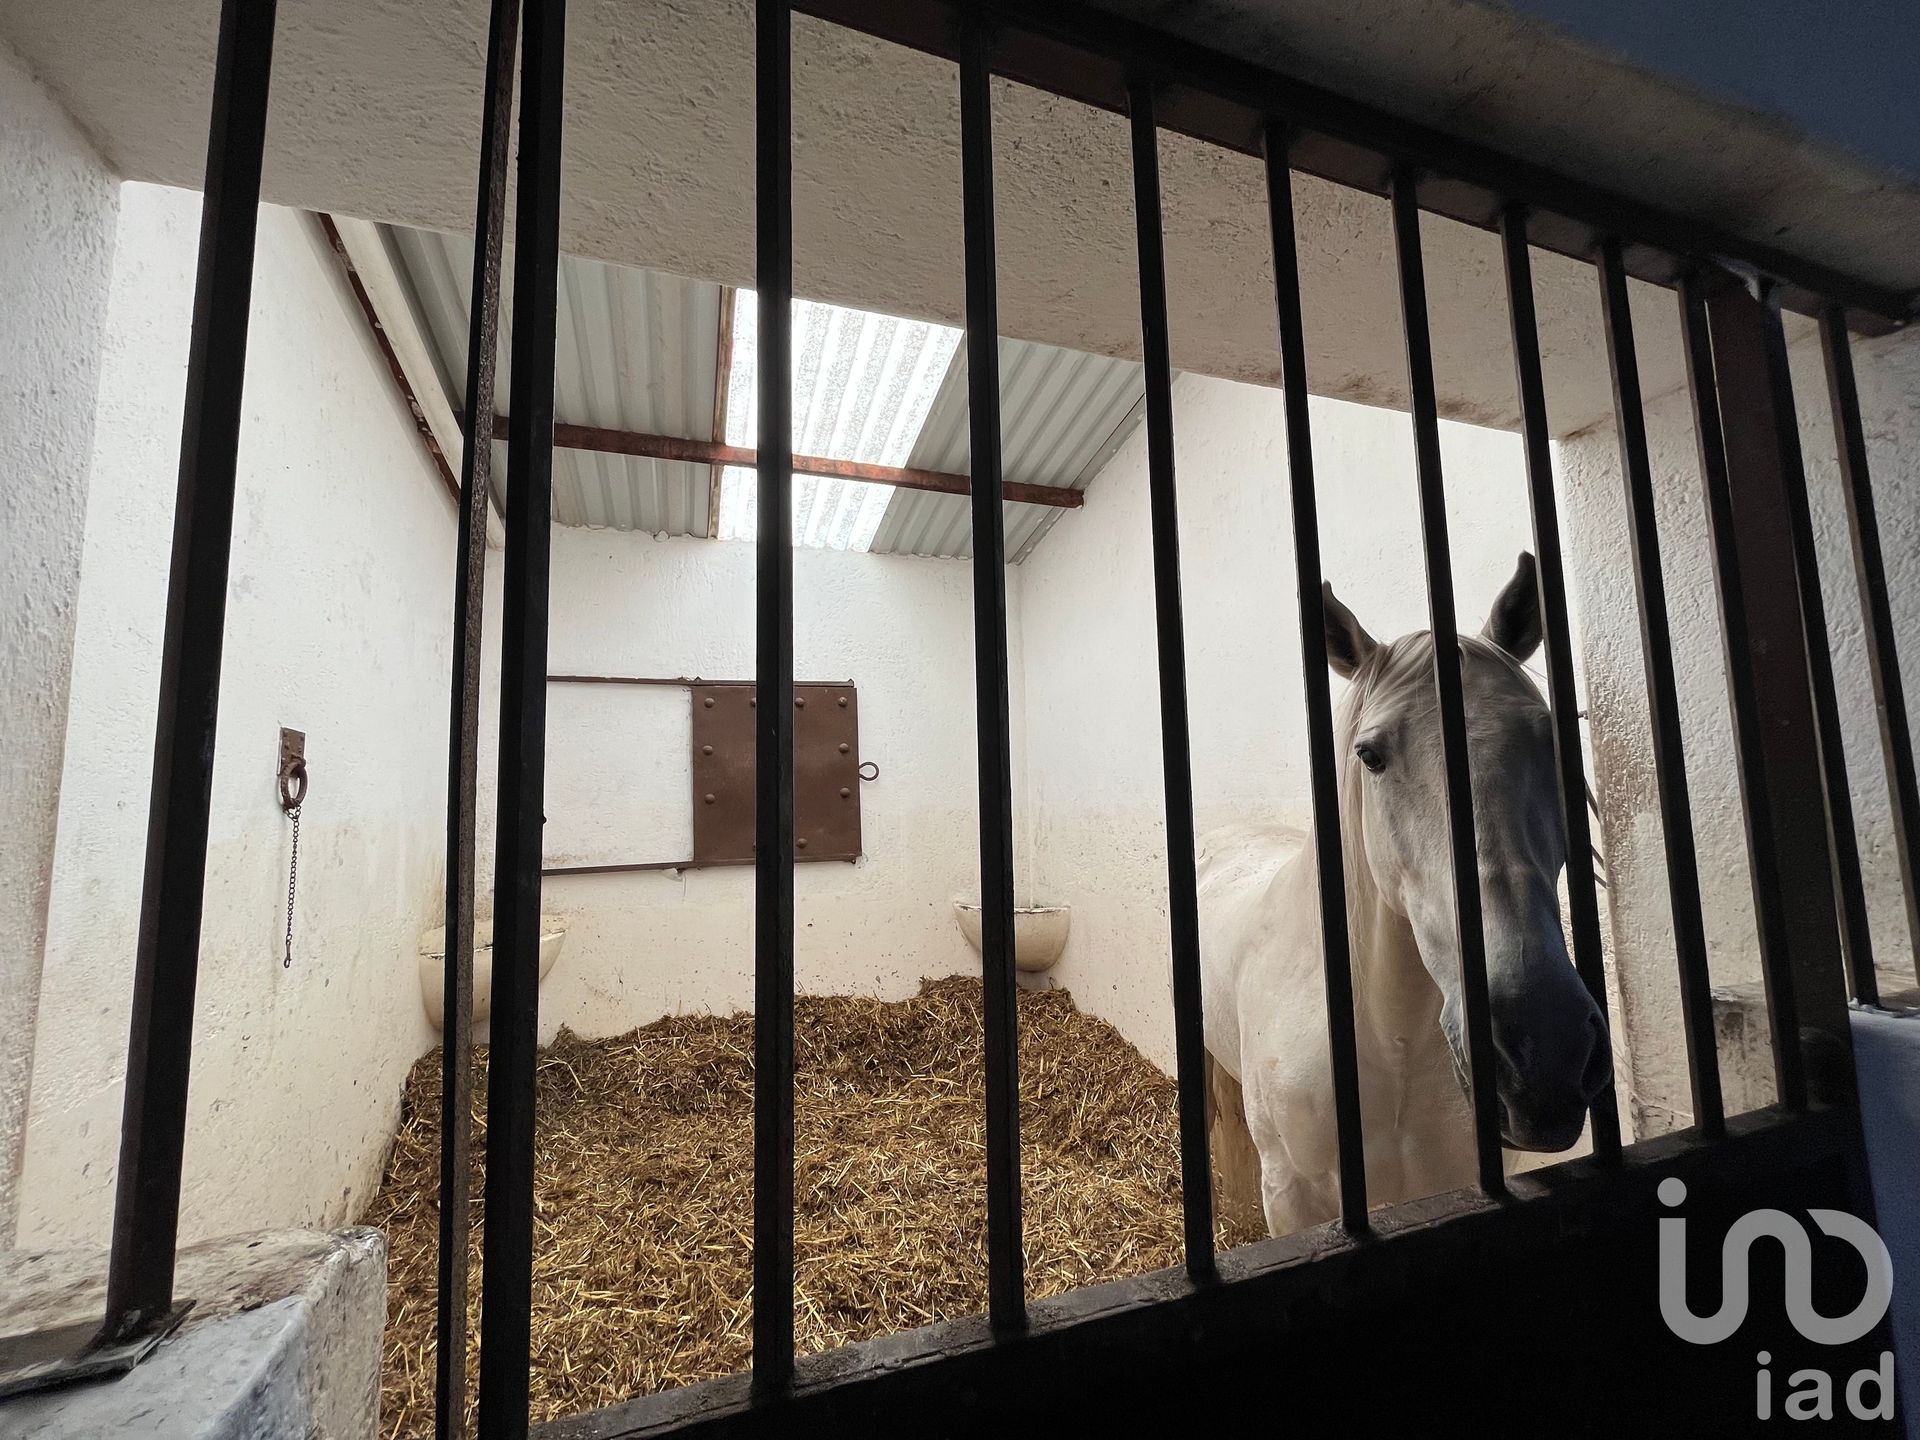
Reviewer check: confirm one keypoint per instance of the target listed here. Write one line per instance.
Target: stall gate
(1526, 1301)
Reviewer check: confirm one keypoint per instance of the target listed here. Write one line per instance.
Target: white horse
(1270, 1084)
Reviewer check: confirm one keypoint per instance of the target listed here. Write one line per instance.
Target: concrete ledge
(283, 1341)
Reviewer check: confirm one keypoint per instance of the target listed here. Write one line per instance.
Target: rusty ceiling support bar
(722, 370)
(708, 452)
(379, 333)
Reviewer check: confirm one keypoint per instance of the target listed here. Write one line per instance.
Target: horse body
(1262, 970)
(1270, 1080)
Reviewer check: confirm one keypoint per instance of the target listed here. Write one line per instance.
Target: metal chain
(293, 878)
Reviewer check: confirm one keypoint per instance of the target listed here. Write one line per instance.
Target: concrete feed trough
(1039, 932)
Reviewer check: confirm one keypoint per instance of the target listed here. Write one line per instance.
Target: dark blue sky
(1845, 71)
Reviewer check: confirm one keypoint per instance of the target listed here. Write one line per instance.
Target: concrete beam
(375, 115)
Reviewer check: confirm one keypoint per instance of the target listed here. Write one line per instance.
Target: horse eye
(1370, 757)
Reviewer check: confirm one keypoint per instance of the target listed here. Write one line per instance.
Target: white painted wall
(337, 624)
(642, 945)
(57, 208)
(1889, 373)
(1095, 832)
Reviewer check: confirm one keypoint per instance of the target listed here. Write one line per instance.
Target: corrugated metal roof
(1063, 413)
(862, 386)
(635, 350)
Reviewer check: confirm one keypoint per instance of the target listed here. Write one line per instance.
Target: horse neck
(1393, 996)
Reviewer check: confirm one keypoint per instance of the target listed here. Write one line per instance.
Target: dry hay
(644, 1201)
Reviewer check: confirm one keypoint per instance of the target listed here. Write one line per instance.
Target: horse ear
(1514, 622)
(1348, 643)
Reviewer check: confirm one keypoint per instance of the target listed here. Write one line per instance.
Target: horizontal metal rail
(1272, 1289)
(1090, 55)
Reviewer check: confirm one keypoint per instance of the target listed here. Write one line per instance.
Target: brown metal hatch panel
(826, 772)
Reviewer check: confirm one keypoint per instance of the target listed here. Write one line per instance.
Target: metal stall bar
(1883, 656)
(507, 1251)
(773, 730)
(1469, 935)
(1006, 1280)
(1855, 933)
(1582, 903)
(1183, 897)
(1663, 699)
(1330, 863)
(1803, 973)
(146, 1213)
(1737, 649)
(469, 604)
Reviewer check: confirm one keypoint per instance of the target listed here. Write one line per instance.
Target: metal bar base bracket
(66, 1354)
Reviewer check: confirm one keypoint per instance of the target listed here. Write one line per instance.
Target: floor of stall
(642, 1274)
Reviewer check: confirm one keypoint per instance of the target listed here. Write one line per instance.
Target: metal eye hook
(865, 766)
(293, 784)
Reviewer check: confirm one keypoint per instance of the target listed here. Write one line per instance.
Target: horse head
(1552, 1055)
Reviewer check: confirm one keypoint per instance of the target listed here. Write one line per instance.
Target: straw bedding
(644, 1199)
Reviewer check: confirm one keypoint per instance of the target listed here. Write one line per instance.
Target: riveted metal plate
(826, 772)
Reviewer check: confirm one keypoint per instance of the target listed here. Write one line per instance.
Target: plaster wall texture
(1631, 832)
(1095, 828)
(374, 114)
(57, 215)
(337, 624)
(618, 783)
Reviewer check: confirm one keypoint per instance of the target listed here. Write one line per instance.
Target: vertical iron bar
(1331, 875)
(773, 730)
(1183, 896)
(469, 604)
(1663, 698)
(1763, 864)
(1842, 840)
(146, 1214)
(507, 1242)
(1583, 906)
(1006, 1283)
(1469, 934)
(1805, 977)
(1883, 656)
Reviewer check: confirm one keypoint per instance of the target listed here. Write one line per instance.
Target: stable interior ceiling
(646, 353)
(376, 109)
